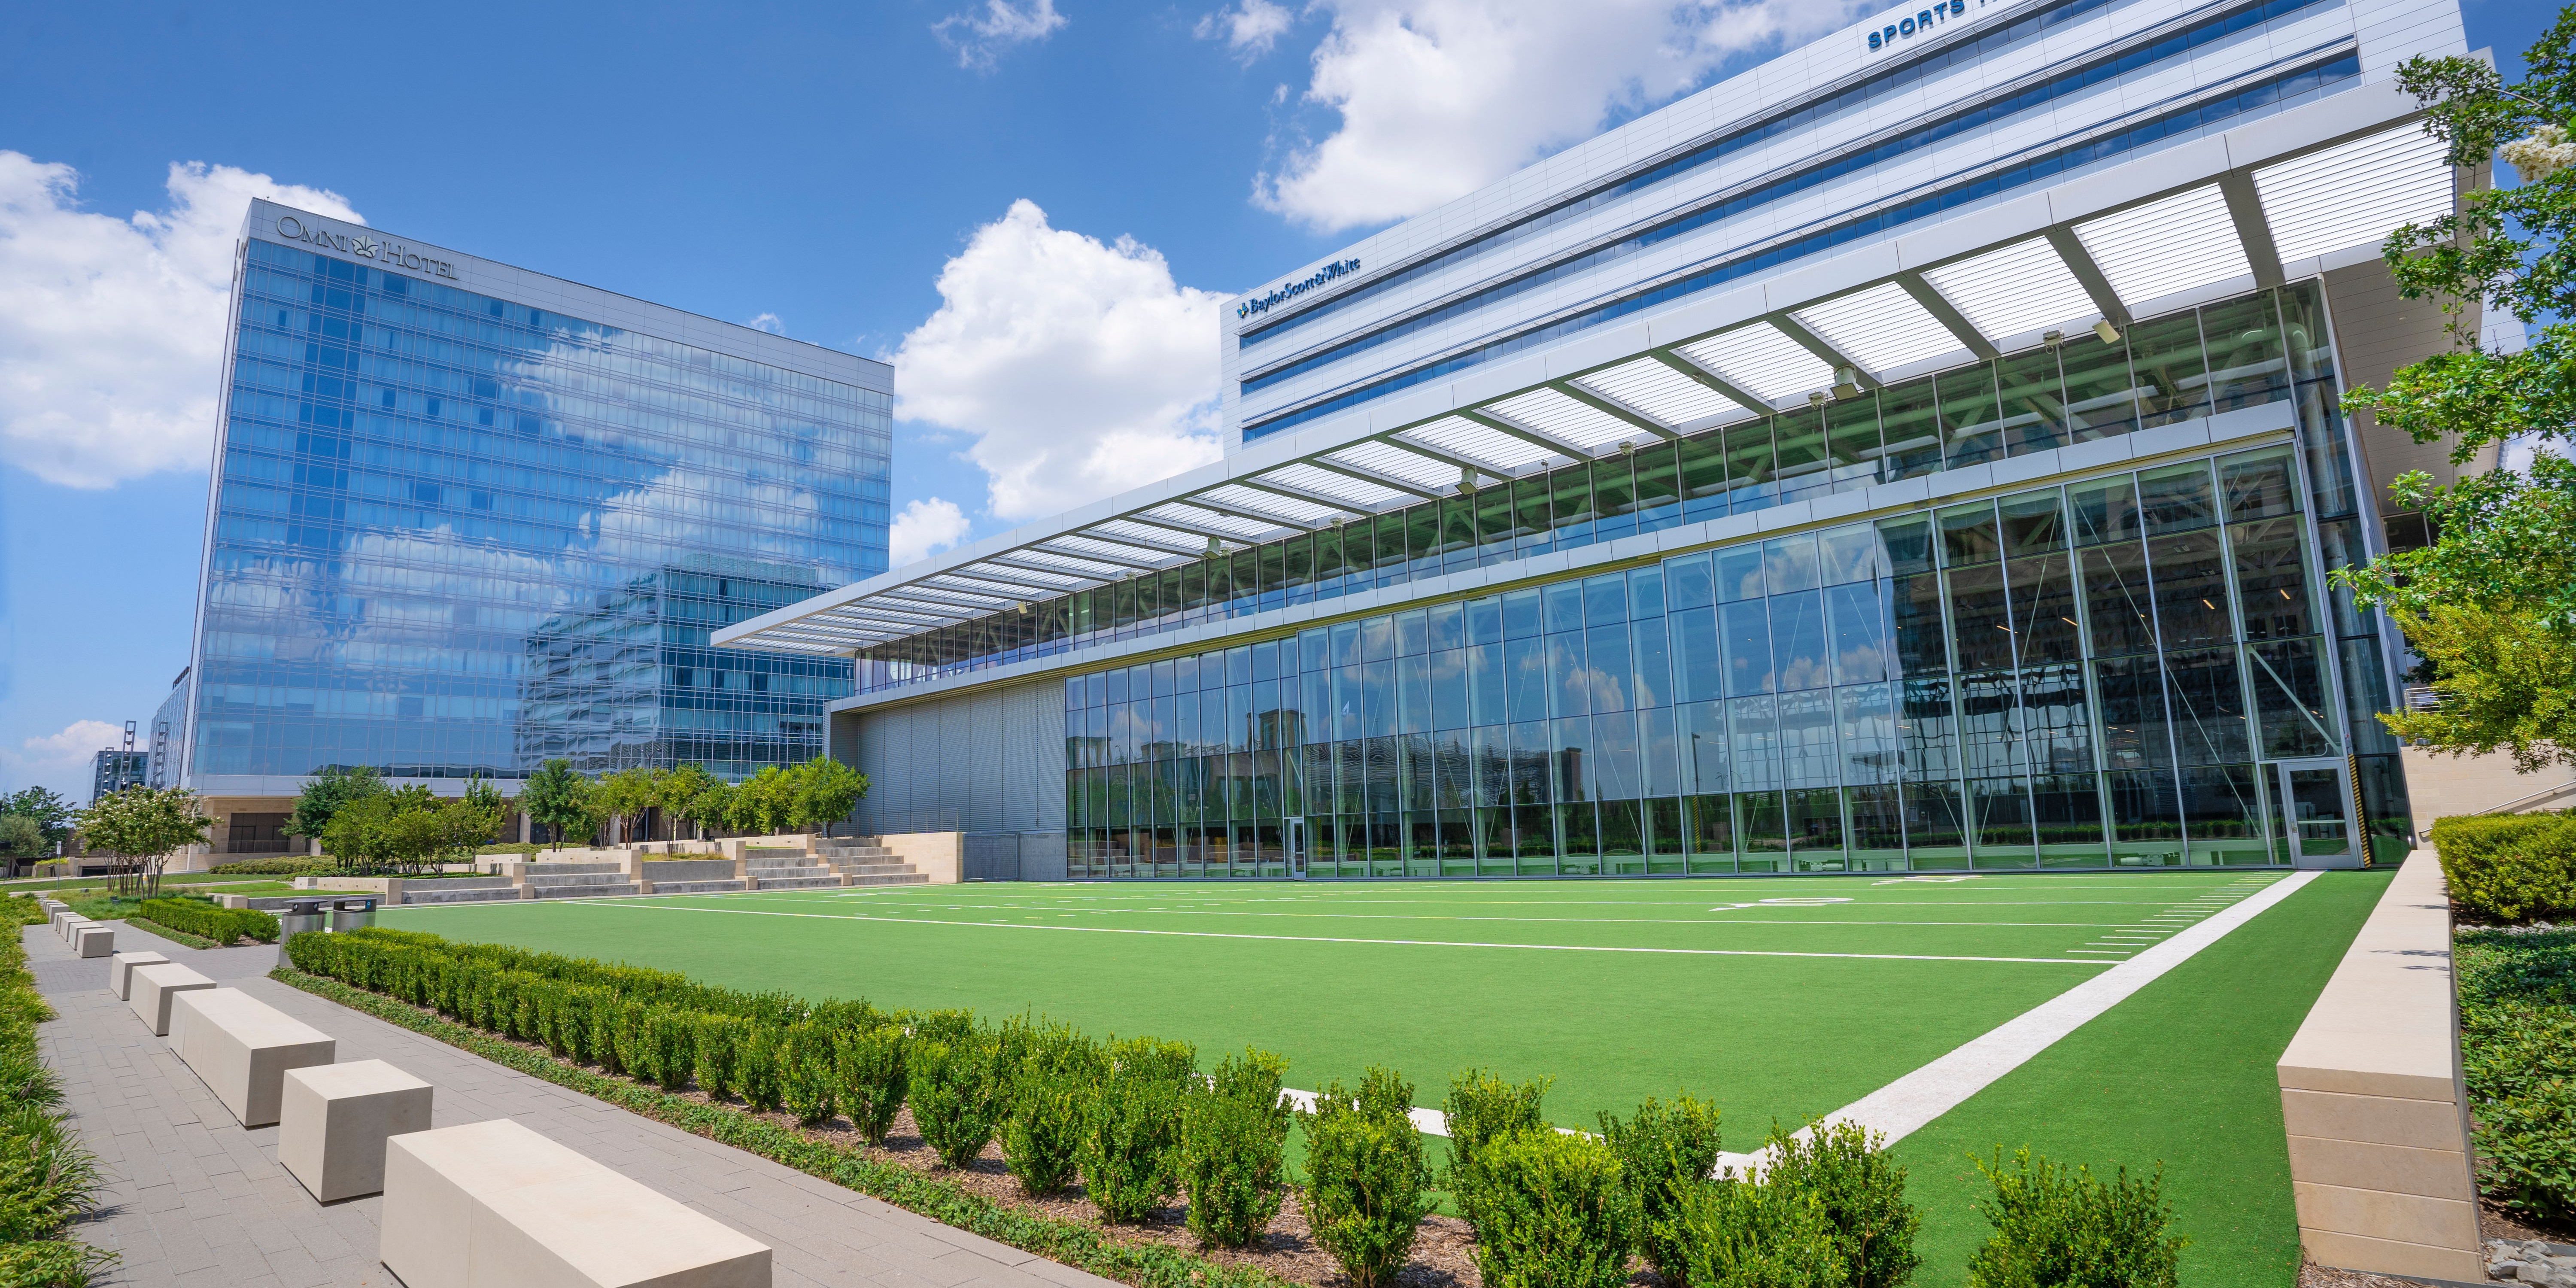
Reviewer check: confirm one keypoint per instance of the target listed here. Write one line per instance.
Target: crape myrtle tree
(2490, 605)
(141, 826)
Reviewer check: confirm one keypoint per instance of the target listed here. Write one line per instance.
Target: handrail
(2532, 797)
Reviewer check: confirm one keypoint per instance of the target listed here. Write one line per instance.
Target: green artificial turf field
(1777, 999)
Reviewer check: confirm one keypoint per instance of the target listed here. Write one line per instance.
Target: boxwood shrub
(2510, 867)
(223, 925)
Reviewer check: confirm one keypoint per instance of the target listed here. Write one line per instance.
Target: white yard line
(634, 905)
(1901, 1107)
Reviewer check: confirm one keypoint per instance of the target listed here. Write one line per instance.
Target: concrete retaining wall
(689, 870)
(2374, 1101)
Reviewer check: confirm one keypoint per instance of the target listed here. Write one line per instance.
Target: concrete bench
(333, 1120)
(242, 1048)
(94, 941)
(65, 919)
(151, 989)
(493, 1203)
(2374, 1103)
(120, 971)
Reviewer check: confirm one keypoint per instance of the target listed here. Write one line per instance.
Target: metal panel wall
(993, 757)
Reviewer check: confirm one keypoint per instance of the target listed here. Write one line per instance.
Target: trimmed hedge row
(2510, 867)
(312, 865)
(46, 1178)
(1139, 1125)
(2518, 1034)
(211, 921)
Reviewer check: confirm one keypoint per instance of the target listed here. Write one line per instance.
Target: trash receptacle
(353, 914)
(301, 915)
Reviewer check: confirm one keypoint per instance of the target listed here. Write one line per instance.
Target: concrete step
(797, 883)
(701, 887)
(770, 852)
(460, 896)
(873, 869)
(896, 878)
(584, 891)
(571, 869)
(609, 878)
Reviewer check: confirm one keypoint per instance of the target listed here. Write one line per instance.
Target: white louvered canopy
(2339, 199)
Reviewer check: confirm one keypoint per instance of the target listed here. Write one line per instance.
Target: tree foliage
(2491, 604)
(329, 792)
(141, 826)
(562, 800)
(627, 797)
(50, 811)
(412, 829)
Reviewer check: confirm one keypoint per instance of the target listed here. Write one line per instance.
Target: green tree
(141, 826)
(689, 794)
(763, 803)
(625, 798)
(326, 794)
(558, 797)
(823, 791)
(2491, 604)
(49, 810)
(21, 838)
(412, 829)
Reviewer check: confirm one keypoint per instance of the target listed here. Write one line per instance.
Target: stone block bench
(120, 971)
(151, 989)
(66, 919)
(242, 1048)
(333, 1120)
(2375, 1105)
(493, 1203)
(94, 940)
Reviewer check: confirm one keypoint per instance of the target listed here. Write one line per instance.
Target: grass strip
(179, 937)
(1073, 1243)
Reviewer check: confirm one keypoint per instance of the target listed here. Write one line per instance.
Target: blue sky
(851, 172)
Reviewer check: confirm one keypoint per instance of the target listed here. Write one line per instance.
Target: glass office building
(1922, 453)
(466, 518)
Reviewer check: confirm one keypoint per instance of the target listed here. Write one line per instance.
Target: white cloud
(62, 760)
(1080, 369)
(769, 322)
(982, 37)
(112, 330)
(1249, 29)
(925, 528)
(1437, 98)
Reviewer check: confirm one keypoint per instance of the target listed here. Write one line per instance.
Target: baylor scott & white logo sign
(392, 254)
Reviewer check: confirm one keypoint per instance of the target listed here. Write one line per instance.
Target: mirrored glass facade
(457, 534)
(2107, 671)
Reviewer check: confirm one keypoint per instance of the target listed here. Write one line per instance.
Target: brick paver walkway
(194, 1199)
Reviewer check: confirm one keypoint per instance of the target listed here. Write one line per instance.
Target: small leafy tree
(559, 798)
(22, 838)
(824, 792)
(411, 829)
(141, 826)
(326, 794)
(2491, 604)
(47, 809)
(688, 794)
(763, 803)
(627, 798)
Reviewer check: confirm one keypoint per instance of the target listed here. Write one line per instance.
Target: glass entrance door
(1294, 834)
(2316, 814)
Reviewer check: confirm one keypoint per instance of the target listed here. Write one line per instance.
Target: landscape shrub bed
(210, 921)
(2510, 867)
(313, 865)
(47, 1179)
(2518, 1038)
(1137, 1123)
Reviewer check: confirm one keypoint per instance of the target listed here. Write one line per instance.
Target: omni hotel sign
(392, 254)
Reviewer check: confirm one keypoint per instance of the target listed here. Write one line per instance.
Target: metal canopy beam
(1205, 502)
(1308, 495)
(1114, 561)
(1948, 315)
(2245, 210)
(1500, 473)
(1735, 393)
(1626, 414)
(1379, 477)
(1529, 434)
(1806, 338)
(2088, 274)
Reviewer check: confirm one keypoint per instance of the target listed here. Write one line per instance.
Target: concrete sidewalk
(194, 1199)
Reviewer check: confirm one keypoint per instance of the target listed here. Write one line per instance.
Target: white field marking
(642, 906)
(1901, 1107)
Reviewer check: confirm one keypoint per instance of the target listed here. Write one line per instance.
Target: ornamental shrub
(1482, 1108)
(1234, 1143)
(956, 1099)
(809, 1074)
(673, 1036)
(718, 1046)
(2058, 1227)
(1366, 1182)
(1845, 1169)
(318, 865)
(2518, 1036)
(1055, 1076)
(198, 917)
(1555, 1213)
(755, 1068)
(1665, 1153)
(2510, 867)
(869, 1063)
(1745, 1234)
(1131, 1149)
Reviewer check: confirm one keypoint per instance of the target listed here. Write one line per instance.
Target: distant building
(466, 517)
(112, 771)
